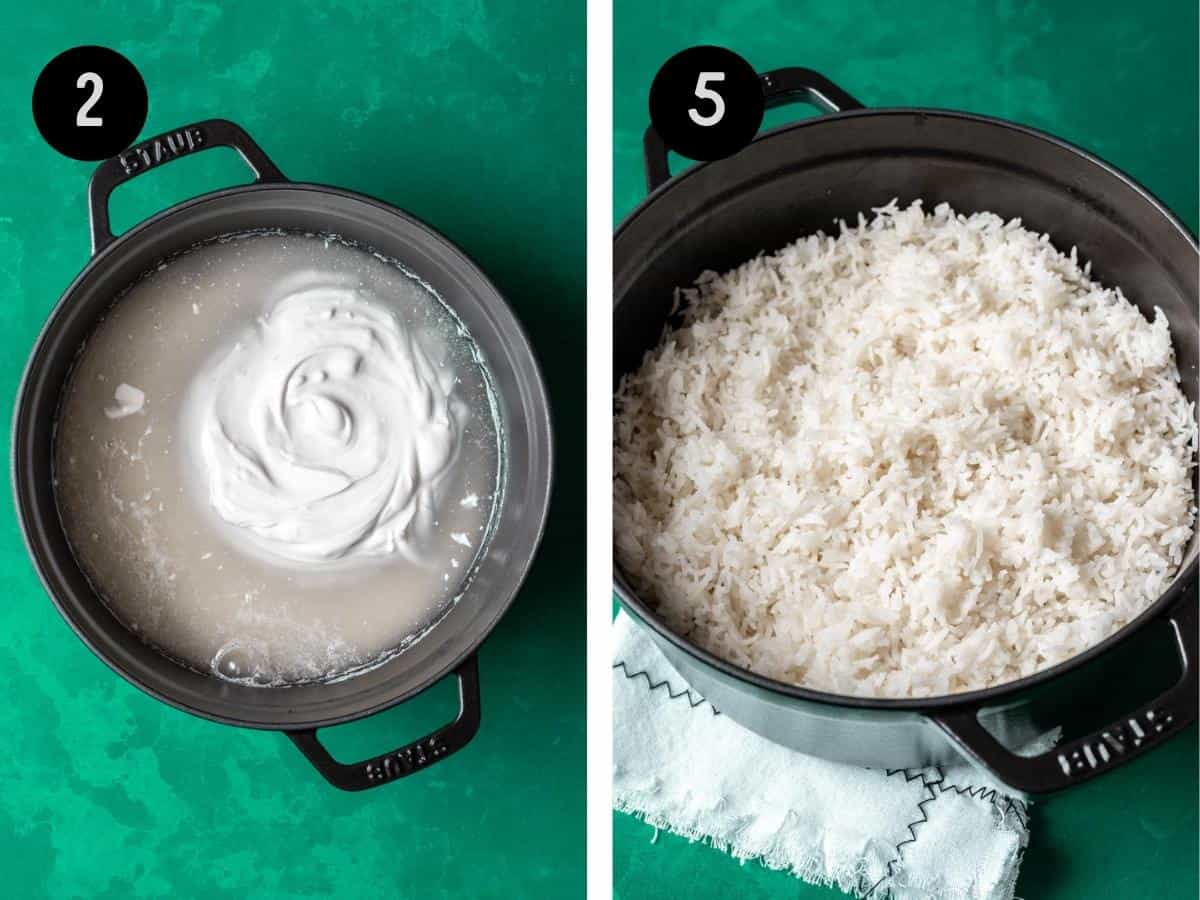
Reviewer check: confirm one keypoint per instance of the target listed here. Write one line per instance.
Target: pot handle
(1099, 752)
(161, 149)
(411, 757)
(780, 86)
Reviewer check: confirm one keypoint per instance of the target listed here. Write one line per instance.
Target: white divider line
(599, 448)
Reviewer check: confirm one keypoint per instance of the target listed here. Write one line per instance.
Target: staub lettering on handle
(165, 147)
(405, 762)
(1115, 743)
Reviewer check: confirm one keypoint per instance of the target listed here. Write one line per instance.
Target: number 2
(82, 119)
(704, 92)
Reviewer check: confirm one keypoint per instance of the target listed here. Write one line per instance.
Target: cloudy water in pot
(278, 456)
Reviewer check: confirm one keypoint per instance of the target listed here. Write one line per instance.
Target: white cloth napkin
(918, 834)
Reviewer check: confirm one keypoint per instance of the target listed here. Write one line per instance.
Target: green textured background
(1118, 78)
(470, 115)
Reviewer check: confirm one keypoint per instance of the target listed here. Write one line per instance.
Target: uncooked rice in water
(924, 456)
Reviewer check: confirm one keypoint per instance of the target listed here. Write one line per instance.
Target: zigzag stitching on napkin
(932, 784)
(991, 795)
(910, 776)
(1001, 803)
(694, 700)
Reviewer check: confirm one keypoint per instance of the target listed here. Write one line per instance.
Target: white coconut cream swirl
(326, 431)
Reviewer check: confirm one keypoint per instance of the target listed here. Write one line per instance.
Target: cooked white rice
(927, 455)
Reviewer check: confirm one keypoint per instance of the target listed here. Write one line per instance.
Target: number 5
(704, 92)
(82, 118)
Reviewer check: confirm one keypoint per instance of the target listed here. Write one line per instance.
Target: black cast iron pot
(797, 179)
(272, 201)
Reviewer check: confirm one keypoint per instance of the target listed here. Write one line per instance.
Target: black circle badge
(706, 103)
(89, 103)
